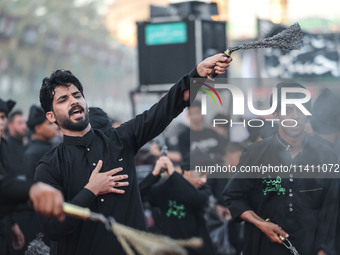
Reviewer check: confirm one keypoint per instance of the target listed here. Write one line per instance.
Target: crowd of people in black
(143, 176)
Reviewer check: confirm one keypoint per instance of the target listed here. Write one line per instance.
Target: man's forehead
(63, 90)
(18, 117)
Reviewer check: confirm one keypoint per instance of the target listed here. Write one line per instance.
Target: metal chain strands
(133, 240)
(150, 244)
(288, 39)
(38, 247)
(290, 247)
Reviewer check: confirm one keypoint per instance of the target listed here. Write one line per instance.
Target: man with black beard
(17, 129)
(96, 169)
(303, 210)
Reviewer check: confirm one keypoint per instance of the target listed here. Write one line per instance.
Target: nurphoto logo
(238, 100)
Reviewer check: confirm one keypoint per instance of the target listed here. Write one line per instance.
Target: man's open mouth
(76, 111)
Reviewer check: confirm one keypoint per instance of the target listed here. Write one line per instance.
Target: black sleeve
(236, 193)
(181, 187)
(145, 188)
(326, 230)
(184, 142)
(152, 122)
(53, 228)
(12, 192)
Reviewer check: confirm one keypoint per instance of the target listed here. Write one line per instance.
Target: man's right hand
(219, 62)
(108, 182)
(272, 231)
(165, 163)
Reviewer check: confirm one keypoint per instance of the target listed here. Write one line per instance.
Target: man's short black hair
(58, 78)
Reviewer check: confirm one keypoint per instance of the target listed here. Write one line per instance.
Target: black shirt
(332, 147)
(305, 208)
(181, 207)
(69, 166)
(12, 191)
(34, 152)
(3, 157)
(16, 150)
(25, 216)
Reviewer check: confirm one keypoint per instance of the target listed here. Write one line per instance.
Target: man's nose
(73, 101)
(294, 114)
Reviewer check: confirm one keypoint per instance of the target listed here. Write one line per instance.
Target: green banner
(168, 33)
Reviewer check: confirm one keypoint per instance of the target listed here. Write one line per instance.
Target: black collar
(282, 142)
(288, 146)
(84, 140)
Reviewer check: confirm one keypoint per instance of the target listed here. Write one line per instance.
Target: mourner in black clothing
(43, 131)
(96, 169)
(99, 118)
(5, 109)
(325, 122)
(181, 200)
(17, 129)
(198, 136)
(46, 200)
(219, 215)
(302, 209)
(16, 166)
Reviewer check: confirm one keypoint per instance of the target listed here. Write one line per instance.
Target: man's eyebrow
(64, 96)
(61, 97)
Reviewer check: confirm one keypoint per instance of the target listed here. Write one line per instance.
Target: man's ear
(50, 116)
